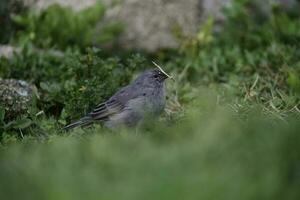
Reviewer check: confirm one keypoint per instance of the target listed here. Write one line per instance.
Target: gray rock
(75, 4)
(8, 51)
(15, 96)
(150, 24)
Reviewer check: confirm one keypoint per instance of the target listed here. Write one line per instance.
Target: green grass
(230, 130)
(207, 156)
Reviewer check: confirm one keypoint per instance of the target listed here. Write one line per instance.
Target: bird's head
(160, 74)
(157, 75)
(153, 76)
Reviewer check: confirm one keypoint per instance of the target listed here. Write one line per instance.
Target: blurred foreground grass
(209, 155)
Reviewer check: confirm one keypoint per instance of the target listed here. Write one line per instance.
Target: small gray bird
(144, 97)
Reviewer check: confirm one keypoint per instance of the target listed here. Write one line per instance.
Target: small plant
(16, 125)
(90, 79)
(61, 27)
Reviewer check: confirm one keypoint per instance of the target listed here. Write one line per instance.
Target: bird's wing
(114, 105)
(104, 110)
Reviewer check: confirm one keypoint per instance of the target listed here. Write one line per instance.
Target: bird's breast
(158, 100)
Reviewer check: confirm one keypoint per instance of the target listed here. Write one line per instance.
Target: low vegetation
(230, 130)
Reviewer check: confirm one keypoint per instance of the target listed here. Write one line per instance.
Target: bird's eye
(156, 76)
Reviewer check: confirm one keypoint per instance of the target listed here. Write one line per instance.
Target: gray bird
(144, 97)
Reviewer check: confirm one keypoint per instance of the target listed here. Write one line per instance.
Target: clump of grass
(251, 61)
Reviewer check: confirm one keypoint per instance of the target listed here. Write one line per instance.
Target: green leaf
(2, 114)
(20, 20)
(20, 124)
(44, 86)
(293, 80)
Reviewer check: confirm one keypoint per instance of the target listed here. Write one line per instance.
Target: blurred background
(230, 129)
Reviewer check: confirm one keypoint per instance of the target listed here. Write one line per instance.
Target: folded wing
(106, 109)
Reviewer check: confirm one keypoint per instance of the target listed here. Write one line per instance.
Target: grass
(210, 153)
(208, 156)
(230, 130)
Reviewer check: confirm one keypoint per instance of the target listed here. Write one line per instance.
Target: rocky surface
(75, 4)
(150, 24)
(15, 96)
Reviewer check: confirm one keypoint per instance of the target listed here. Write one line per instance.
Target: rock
(75, 4)
(150, 24)
(8, 51)
(15, 96)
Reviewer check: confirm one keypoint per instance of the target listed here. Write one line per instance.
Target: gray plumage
(131, 104)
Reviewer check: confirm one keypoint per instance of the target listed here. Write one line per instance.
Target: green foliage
(255, 59)
(90, 80)
(61, 27)
(2, 114)
(31, 65)
(250, 27)
(70, 85)
(12, 126)
(8, 7)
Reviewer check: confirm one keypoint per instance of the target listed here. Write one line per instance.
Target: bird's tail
(81, 122)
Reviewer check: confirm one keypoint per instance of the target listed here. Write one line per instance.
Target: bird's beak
(167, 75)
